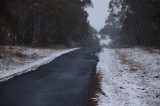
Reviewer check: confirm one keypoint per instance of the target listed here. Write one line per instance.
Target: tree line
(135, 22)
(43, 22)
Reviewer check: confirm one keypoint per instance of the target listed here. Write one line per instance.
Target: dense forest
(135, 22)
(44, 22)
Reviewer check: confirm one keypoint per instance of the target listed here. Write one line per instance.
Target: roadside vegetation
(133, 22)
(41, 23)
(95, 89)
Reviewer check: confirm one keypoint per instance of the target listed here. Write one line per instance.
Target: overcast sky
(99, 13)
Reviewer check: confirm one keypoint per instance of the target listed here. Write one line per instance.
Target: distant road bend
(66, 81)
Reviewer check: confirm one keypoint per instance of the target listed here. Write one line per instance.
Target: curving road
(65, 81)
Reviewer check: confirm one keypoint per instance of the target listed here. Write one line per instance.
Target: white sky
(99, 13)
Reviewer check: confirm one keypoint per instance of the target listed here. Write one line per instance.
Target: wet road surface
(65, 81)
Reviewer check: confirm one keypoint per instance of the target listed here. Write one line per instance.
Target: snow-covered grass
(130, 77)
(17, 60)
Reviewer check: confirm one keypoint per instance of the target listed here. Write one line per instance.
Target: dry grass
(119, 46)
(7, 52)
(4, 52)
(57, 47)
(96, 88)
(131, 63)
(151, 49)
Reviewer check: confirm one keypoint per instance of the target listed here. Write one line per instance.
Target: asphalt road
(66, 81)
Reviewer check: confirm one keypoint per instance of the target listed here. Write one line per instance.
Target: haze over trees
(43, 22)
(135, 22)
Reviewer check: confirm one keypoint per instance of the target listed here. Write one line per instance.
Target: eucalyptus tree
(43, 22)
(140, 21)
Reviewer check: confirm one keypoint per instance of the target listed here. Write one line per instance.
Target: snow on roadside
(150, 66)
(33, 58)
(124, 79)
(150, 61)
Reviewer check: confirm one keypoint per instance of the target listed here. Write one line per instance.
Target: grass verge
(96, 88)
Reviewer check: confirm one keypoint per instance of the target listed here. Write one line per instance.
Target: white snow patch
(123, 86)
(35, 58)
(105, 42)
